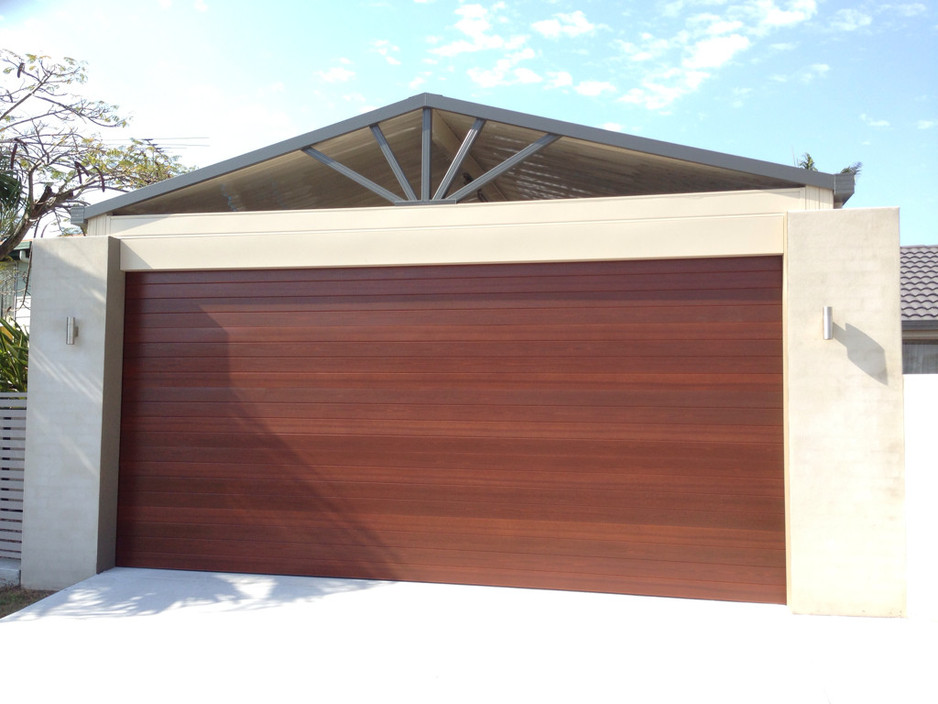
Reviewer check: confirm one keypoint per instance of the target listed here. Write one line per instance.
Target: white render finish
(844, 408)
(73, 417)
(645, 227)
(844, 462)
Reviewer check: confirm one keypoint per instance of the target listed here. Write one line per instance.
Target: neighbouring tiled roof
(919, 276)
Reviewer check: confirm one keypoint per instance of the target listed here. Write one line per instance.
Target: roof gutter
(844, 185)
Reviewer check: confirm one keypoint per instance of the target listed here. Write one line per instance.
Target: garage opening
(606, 426)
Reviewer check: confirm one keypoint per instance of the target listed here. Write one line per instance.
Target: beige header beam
(747, 223)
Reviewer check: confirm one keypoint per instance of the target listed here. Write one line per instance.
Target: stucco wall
(921, 467)
(845, 465)
(843, 397)
(73, 415)
(645, 227)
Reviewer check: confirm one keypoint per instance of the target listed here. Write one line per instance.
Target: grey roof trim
(649, 146)
(920, 324)
(841, 184)
(256, 157)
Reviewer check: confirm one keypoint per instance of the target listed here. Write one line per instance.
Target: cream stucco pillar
(845, 464)
(73, 417)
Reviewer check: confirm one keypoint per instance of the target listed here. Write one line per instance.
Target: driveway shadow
(125, 591)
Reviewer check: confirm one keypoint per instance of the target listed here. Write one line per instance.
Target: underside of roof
(429, 149)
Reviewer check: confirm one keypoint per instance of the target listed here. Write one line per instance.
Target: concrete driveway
(135, 635)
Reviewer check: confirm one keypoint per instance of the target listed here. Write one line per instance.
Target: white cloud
(559, 79)
(709, 23)
(805, 75)
(594, 88)
(660, 89)
(612, 126)
(200, 6)
(724, 26)
(714, 52)
(166, 4)
(474, 20)
(770, 16)
(526, 75)
(813, 71)
(703, 36)
(562, 24)
(474, 23)
(505, 73)
(850, 20)
(387, 50)
(906, 10)
(926, 124)
(672, 9)
(417, 82)
(649, 47)
(336, 74)
(870, 122)
(739, 94)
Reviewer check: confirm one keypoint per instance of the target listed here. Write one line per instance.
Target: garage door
(608, 426)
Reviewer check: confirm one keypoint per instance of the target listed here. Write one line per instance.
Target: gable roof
(433, 149)
(919, 286)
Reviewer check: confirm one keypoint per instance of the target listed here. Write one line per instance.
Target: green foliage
(806, 161)
(51, 152)
(10, 190)
(14, 356)
(855, 168)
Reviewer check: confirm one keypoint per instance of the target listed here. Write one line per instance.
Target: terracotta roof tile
(919, 277)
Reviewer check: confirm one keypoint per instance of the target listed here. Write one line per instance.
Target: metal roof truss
(409, 197)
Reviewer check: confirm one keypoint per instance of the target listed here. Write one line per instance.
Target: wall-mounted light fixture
(71, 330)
(828, 323)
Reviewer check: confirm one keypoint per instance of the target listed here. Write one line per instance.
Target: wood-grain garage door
(610, 426)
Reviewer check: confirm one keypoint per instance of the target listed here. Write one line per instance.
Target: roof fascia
(920, 325)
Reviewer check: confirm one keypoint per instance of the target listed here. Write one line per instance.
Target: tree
(807, 162)
(51, 153)
(14, 356)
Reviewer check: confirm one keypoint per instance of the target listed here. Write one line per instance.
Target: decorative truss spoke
(449, 140)
(507, 164)
(392, 162)
(459, 158)
(426, 134)
(354, 175)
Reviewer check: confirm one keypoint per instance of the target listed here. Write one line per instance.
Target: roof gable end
(432, 149)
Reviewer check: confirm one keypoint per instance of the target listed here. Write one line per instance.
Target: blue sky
(767, 79)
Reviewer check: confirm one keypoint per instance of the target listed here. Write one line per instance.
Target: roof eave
(920, 324)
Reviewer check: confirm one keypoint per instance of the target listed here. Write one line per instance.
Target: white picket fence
(12, 458)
